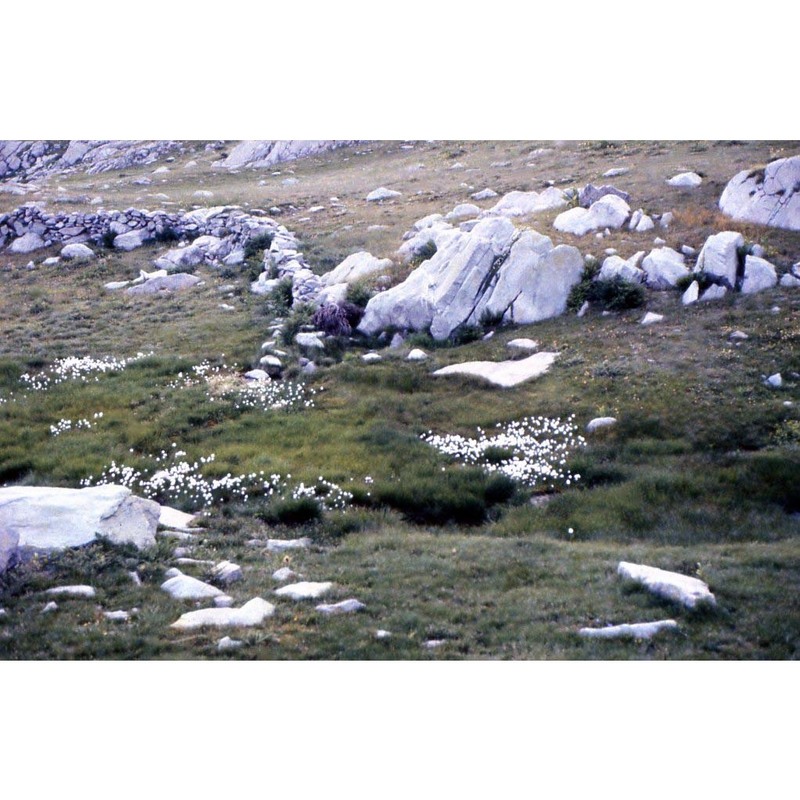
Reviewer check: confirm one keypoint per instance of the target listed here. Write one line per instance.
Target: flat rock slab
(304, 590)
(636, 630)
(165, 283)
(72, 591)
(689, 592)
(184, 587)
(50, 518)
(254, 612)
(523, 344)
(503, 373)
(348, 606)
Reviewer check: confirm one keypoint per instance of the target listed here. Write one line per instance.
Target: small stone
(650, 318)
(382, 634)
(582, 311)
(687, 180)
(348, 606)
(284, 574)
(775, 381)
(523, 344)
(659, 242)
(600, 422)
(278, 545)
(684, 589)
(184, 587)
(739, 336)
(226, 643)
(117, 616)
(72, 591)
(431, 644)
(227, 572)
(637, 630)
(417, 355)
(304, 590)
(134, 576)
(223, 601)
(50, 607)
(371, 358)
(691, 294)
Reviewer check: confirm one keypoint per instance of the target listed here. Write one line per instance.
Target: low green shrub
(359, 294)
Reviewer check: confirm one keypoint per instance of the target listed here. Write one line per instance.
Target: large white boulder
(356, 267)
(720, 256)
(609, 211)
(48, 518)
(663, 267)
(769, 196)
(759, 274)
(689, 592)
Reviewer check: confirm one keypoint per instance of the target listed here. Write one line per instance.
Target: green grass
(698, 475)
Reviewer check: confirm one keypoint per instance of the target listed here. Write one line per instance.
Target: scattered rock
(484, 194)
(356, 267)
(615, 172)
(637, 630)
(304, 590)
(686, 180)
(739, 336)
(77, 252)
(117, 616)
(254, 612)
(132, 239)
(714, 293)
(591, 194)
(689, 592)
(284, 574)
(176, 520)
(522, 204)
(165, 283)
(382, 194)
(226, 643)
(279, 545)
(664, 268)
(650, 318)
(50, 607)
(610, 211)
(775, 381)
(629, 270)
(371, 358)
(719, 256)
(72, 591)
(523, 344)
(311, 341)
(226, 572)
(185, 587)
(223, 601)
(9, 539)
(348, 606)
(503, 373)
(382, 634)
(600, 422)
(27, 243)
(463, 211)
(759, 275)
(417, 355)
(691, 294)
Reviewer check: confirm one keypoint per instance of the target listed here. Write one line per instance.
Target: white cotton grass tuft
(532, 451)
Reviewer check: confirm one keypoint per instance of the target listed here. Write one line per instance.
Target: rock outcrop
(492, 270)
(262, 154)
(768, 196)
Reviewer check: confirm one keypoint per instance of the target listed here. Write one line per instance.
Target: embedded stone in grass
(309, 341)
(523, 344)
(738, 336)
(166, 283)
(432, 644)
(650, 318)
(714, 292)
(685, 180)
(223, 601)
(304, 590)
(277, 545)
(691, 295)
(348, 606)
(759, 274)
(77, 252)
(371, 358)
(72, 591)
(50, 607)
(503, 373)
(382, 634)
(184, 587)
(284, 574)
(775, 381)
(117, 616)
(226, 643)
(382, 193)
(227, 572)
(636, 630)
(600, 422)
(683, 589)
(254, 612)
(112, 286)
(417, 355)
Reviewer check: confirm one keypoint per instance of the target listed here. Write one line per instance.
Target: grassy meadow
(700, 475)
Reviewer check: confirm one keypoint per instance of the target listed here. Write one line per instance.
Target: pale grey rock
(775, 381)
(591, 194)
(663, 268)
(134, 576)
(692, 294)
(522, 204)
(304, 590)
(686, 180)
(335, 294)
(271, 362)
(714, 293)
(641, 222)
(666, 220)
(398, 340)
(759, 275)
(264, 285)
(114, 286)
(176, 520)
(788, 281)
(769, 196)
(382, 634)
(51, 262)
(417, 355)
(356, 267)
(583, 310)
(600, 422)
(279, 545)
(371, 358)
(27, 243)
(77, 252)
(382, 193)
(185, 587)
(259, 154)
(503, 373)
(628, 270)
(609, 211)
(310, 341)
(636, 630)
(484, 194)
(226, 572)
(615, 172)
(203, 194)
(252, 613)
(226, 643)
(719, 256)
(166, 284)
(523, 344)
(256, 375)
(132, 239)
(47, 518)
(181, 258)
(688, 251)
(683, 589)
(50, 607)
(463, 211)
(651, 318)
(117, 616)
(223, 601)
(739, 336)
(348, 606)
(72, 591)
(284, 574)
